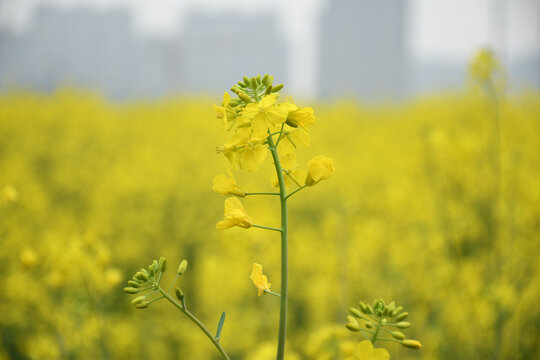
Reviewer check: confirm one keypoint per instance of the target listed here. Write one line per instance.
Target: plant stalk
(284, 252)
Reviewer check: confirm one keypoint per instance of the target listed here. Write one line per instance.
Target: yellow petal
(259, 280)
(276, 115)
(267, 101)
(253, 156)
(319, 168)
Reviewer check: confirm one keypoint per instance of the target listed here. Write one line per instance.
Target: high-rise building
(363, 49)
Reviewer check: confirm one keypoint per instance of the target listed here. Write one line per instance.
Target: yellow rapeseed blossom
(265, 115)
(259, 280)
(224, 112)
(364, 351)
(28, 257)
(10, 194)
(483, 65)
(303, 117)
(226, 185)
(319, 168)
(235, 215)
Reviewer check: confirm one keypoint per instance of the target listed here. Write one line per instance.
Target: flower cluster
(373, 319)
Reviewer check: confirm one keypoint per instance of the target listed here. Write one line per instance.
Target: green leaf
(220, 326)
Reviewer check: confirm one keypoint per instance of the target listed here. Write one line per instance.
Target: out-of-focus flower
(259, 280)
(29, 257)
(319, 168)
(10, 194)
(364, 351)
(483, 65)
(235, 215)
(224, 112)
(226, 185)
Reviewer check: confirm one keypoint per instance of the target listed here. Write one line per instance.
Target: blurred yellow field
(431, 205)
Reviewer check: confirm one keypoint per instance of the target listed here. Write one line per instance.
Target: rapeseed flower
(225, 112)
(319, 168)
(483, 65)
(259, 280)
(364, 351)
(265, 115)
(235, 215)
(226, 185)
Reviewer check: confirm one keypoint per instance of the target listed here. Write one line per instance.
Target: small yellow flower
(303, 117)
(259, 280)
(483, 65)
(364, 351)
(224, 112)
(235, 215)
(319, 168)
(264, 115)
(226, 185)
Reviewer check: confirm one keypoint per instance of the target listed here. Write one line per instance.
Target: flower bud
(182, 268)
(277, 88)
(369, 325)
(369, 309)
(258, 79)
(397, 311)
(362, 307)
(143, 275)
(138, 300)
(142, 305)
(131, 290)
(151, 270)
(265, 79)
(162, 264)
(355, 312)
(244, 97)
(246, 80)
(133, 283)
(270, 79)
(241, 84)
(402, 316)
(403, 325)
(353, 327)
(179, 294)
(268, 90)
(412, 344)
(398, 335)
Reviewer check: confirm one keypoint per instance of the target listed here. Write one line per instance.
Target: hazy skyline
(437, 31)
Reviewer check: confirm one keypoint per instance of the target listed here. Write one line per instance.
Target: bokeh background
(107, 154)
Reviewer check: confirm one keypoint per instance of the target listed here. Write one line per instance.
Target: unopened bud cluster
(146, 282)
(380, 316)
(253, 88)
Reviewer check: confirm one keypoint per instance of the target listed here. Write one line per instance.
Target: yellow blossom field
(434, 203)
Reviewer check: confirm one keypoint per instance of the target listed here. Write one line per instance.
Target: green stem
(197, 322)
(262, 193)
(295, 191)
(272, 293)
(267, 228)
(374, 338)
(284, 252)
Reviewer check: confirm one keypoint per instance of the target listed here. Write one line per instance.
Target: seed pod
(182, 268)
(277, 88)
(355, 312)
(142, 305)
(412, 344)
(398, 335)
(138, 300)
(131, 290)
(403, 325)
(402, 316)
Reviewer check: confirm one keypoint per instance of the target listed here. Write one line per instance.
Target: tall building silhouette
(363, 49)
